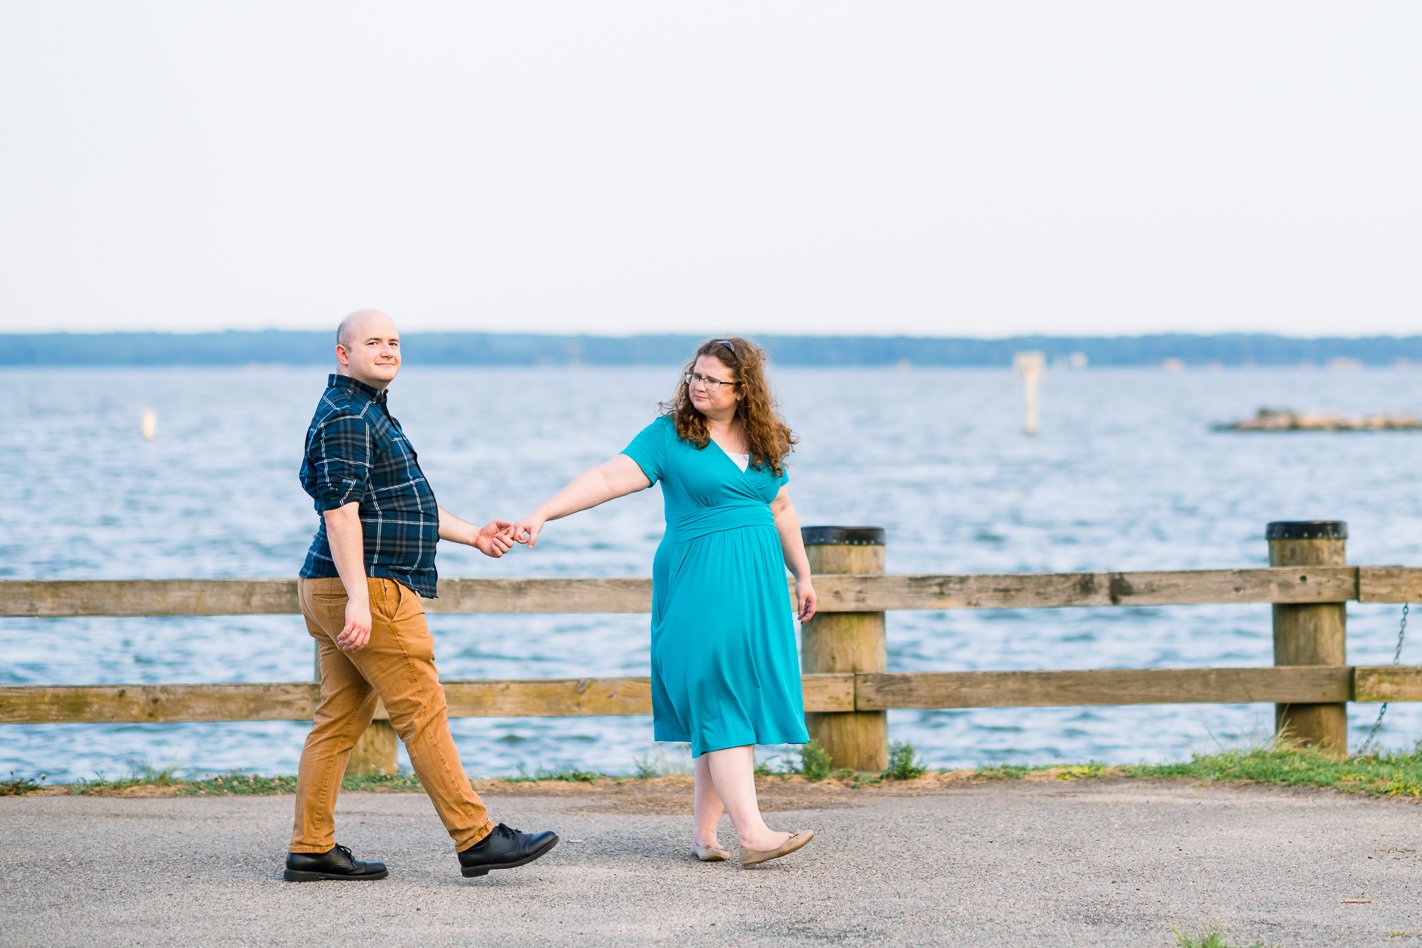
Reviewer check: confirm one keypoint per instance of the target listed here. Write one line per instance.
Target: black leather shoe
(335, 864)
(505, 848)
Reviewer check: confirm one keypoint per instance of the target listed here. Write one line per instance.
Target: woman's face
(712, 400)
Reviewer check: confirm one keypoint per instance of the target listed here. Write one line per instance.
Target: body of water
(1124, 475)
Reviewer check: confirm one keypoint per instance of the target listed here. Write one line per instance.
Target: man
(371, 560)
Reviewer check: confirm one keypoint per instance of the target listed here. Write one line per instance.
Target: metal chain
(1396, 659)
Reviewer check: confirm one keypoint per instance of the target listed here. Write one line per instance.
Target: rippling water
(1125, 475)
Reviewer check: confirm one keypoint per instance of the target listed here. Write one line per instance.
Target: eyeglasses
(712, 385)
(727, 343)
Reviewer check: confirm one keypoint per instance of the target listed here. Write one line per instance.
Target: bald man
(372, 559)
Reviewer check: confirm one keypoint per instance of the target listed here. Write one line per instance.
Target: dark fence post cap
(843, 536)
(1307, 530)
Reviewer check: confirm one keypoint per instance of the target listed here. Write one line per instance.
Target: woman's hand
(526, 530)
(805, 599)
(494, 539)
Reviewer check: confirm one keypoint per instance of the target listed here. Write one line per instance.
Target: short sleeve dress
(725, 671)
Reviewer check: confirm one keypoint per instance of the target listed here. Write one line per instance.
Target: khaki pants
(397, 666)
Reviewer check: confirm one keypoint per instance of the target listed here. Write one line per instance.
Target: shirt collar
(376, 395)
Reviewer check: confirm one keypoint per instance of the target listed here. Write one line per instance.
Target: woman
(725, 674)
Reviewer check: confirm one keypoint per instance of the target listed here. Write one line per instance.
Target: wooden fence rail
(846, 686)
(53, 599)
(824, 693)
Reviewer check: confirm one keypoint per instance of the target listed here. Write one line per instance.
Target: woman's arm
(787, 523)
(597, 485)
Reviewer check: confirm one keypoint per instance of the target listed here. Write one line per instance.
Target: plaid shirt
(356, 451)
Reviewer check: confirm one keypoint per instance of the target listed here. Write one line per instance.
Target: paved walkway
(1029, 863)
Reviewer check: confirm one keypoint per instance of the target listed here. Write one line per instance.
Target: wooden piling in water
(1311, 634)
(1029, 367)
(847, 642)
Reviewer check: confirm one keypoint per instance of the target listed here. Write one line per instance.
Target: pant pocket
(384, 597)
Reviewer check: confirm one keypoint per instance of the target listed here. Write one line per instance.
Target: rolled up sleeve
(341, 457)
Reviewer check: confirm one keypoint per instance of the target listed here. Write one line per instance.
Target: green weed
(1214, 938)
(815, 761)
(903, 762)
(13, 786)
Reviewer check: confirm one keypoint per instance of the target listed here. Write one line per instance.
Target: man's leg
(346, 708)
(399, 663)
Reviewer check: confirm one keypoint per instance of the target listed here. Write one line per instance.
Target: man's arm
(347, 539)
(493, 539)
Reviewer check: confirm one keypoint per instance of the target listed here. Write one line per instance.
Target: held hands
(355, 635)
(805, 599)
(526, 530)
(494, 539)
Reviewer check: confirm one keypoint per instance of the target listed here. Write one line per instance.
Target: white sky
(972, 168)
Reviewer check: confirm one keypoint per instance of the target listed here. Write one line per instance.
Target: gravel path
(1027, 863)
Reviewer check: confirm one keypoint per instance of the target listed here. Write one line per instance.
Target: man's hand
(356, 633)
(494, 539)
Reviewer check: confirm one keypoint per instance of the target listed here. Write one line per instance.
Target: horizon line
(689, 334)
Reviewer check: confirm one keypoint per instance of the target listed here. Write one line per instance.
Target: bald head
(356, 324)
(368, 348)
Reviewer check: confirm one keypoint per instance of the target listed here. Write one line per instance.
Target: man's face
(371, 351)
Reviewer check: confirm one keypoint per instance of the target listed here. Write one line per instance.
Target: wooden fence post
(1311, 634)
(374, 751)
(847, 642)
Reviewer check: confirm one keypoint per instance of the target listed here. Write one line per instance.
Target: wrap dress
(725, 670)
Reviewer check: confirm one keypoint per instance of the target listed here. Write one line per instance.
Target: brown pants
(397, 666)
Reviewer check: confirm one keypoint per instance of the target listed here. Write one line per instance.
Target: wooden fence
(847, 688)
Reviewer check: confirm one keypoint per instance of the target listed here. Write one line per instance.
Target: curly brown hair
(768, 438)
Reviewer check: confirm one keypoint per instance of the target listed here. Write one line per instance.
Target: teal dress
(725, 671)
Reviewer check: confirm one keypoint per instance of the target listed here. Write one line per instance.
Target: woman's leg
(732, 772)
(706, 805)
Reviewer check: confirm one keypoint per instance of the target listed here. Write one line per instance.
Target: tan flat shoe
(709, 853)
(754, 857)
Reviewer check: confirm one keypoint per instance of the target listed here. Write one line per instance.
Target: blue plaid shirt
(356, 451)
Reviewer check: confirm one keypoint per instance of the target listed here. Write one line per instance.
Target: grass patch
(657, 763)
(570, 775)
(1392, 775)
(143, 775)
(234, 784)
(1214, 938)
(1003, 772)
(237, 785)
(766, 768)
(1085, 771)
(13, 786)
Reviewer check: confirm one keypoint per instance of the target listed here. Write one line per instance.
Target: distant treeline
(478, 348)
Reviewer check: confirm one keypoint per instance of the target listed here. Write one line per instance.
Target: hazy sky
(973, 168)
